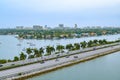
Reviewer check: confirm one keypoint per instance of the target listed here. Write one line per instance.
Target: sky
(53, 12)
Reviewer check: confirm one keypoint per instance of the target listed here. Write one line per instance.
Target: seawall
(65, 64)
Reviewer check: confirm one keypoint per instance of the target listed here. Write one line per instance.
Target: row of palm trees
(34, 52)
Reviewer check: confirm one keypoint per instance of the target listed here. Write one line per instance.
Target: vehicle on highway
(75, 56)
(1, 65)
(67, 56)
(42, 61)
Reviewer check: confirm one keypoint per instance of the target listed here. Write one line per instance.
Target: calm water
(103, 68)
(9, 48)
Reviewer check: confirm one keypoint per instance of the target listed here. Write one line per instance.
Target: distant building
(98, 27)
(46, 27)
(93, 34)
(37, 27)
(28, 28)
(19, 27)
(61, 25)
(104, 32)
(75, 26)
(85, 34)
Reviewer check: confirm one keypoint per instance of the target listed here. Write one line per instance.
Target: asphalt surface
(47, 64)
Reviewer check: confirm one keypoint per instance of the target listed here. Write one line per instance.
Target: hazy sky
(52, 12)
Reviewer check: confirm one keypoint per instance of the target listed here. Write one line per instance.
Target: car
(58, 56)
(12, 64)
(75, 56)
(94, 48)
(1, 65)
(67, 56)
(56, 59)
(42, 61)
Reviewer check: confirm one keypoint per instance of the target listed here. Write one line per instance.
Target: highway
(40, 66)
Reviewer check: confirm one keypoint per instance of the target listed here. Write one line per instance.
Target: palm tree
(36, 53)
(16, 58)
(95, 41)
(41, 51)
(105, 41)
(2, 61)
(52, 49)
(100, 42)
(23, 56)
(77, 46)
(83, 44)
(59, 48)
(90, 43)
(49, 50)
(31, 56)
(9, 60)
(29, 51)
(69, 47)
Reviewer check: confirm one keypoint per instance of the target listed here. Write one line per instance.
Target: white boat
(32, 44)
(18, 44)
(23, 49)
(28, 42)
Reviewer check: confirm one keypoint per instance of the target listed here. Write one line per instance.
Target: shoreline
(62, 65)
(33, 61)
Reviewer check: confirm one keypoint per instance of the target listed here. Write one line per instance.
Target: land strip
(24, 72)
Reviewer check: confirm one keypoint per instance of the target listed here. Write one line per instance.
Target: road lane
(36, 66)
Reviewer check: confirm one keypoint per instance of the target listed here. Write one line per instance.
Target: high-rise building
(61, 25)
(45, 26)
(37, 27)
(75, 26)
(19, 27)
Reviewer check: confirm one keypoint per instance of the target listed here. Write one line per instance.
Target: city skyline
(52, 12)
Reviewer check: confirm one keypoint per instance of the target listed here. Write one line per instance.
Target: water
(9, 48)
(103, 68)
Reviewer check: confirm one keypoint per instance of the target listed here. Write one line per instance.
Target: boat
(18, 44)
(23, 49)
(28, 43)
(32, 44)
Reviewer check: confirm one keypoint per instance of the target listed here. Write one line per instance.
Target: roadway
(38, 66)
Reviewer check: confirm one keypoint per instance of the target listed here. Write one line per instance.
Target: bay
(11, 46)
(103, 68)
